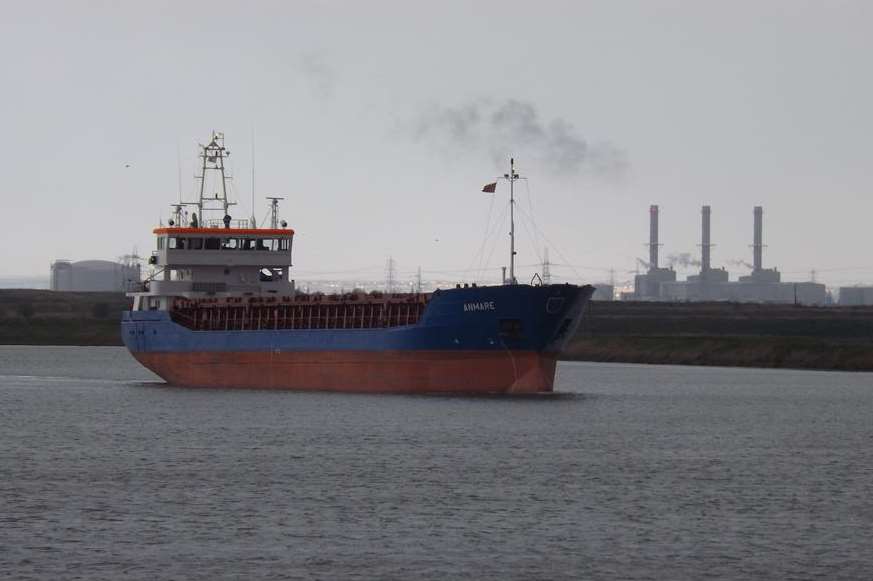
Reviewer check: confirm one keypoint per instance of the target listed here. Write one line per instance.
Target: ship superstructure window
(271, 274)
(261, 244)
(254, 244)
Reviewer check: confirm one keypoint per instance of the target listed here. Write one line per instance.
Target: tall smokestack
(705, 245)
(653, 237)
(758, 245)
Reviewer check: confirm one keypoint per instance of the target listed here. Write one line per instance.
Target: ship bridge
(214, 260)
(213, 253)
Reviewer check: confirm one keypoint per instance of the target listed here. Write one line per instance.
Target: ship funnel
(653, 237)
(758, 244)
(705, 245)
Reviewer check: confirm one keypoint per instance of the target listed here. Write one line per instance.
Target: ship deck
(302, 311)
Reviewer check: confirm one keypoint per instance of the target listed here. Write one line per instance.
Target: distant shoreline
(43, 317)
(758, 352)
(709, 334)
(24, 282)
(727, 335)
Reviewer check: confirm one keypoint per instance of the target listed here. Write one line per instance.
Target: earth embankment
(723, 334)
(727, 334)
(41, 317)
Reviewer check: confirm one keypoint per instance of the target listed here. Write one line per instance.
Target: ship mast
(511, 177)
(274, 212)
(213, 156)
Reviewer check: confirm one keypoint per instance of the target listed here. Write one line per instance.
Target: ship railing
(250, 317)
(233, 224)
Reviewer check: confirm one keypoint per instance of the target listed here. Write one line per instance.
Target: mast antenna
(213, 156)
(179, 168)
(512, 177)
(274, 212)
(254, 222)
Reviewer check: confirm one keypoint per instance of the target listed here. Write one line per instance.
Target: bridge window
(284, 244)
(229, 244)
(195, 243)
(213, 243)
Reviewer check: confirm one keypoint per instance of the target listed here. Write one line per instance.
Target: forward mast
(512, 177)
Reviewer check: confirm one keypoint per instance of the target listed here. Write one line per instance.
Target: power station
(763, 285)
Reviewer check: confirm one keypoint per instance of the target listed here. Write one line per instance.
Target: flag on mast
(490, 188)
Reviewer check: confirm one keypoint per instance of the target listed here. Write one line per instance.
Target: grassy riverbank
(725, 334)
(777, 352)
(40, 317)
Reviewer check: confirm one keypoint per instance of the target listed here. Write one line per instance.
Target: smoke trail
(684, 259)
(739, 262)
(514, 126)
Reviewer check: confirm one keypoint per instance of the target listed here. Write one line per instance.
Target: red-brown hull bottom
(360, 371)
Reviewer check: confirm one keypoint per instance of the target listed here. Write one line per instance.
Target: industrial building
(713, 284)
(94, 275)
(852, 296)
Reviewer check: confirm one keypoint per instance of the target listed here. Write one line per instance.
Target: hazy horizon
(381, 122)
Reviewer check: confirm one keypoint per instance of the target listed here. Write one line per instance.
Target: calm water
(631, 472)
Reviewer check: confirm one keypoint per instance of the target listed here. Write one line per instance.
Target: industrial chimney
(705, 262)
(758, 244)
(653, 237)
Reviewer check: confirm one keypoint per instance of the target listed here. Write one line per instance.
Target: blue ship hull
(476, 339)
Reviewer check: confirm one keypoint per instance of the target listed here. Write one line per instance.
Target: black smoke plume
(684, 259)
(516, 127)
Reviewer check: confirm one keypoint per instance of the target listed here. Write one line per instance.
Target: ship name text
(480, 306)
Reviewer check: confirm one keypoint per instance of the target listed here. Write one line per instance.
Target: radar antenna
(274, 211)
(213, 156)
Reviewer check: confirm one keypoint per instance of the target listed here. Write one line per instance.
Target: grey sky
(731, 104)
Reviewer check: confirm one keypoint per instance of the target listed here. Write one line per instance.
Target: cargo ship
(222, 311)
